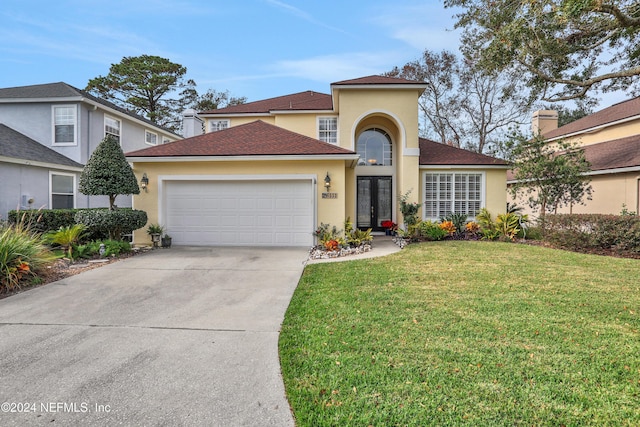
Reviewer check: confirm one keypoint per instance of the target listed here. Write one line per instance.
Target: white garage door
(239, 213)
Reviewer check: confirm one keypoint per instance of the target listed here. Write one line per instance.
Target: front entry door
(374, 201)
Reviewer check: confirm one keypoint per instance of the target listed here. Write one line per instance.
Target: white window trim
(146, 132)
(483, 188)
(106, 116)
(337, 128)
(53, 125)
(212, 121)
(75, 187)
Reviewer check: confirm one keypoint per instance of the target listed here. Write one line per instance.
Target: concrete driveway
(185, 336)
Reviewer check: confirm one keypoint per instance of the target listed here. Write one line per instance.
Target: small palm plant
(66, 237)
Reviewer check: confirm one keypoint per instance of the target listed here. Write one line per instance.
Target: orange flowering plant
(448, 227)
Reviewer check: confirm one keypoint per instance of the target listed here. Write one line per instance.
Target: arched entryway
(374, 175)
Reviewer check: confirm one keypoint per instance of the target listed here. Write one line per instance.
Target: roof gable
(614, 113)
(252, 139)
(301, 101)
(19, 146)
(435, 153)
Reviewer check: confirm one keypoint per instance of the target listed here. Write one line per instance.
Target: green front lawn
(465, 333)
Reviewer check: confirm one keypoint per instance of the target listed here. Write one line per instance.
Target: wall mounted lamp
(327, 181)
(144, 182)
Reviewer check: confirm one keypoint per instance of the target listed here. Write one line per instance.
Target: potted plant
(166, 241)
(390, 227)
(155, 231)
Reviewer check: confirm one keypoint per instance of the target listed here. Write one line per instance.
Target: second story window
(374, 148)
(216, 125)
(112, 127)
(328, 129)
(64, 125)
(150, 138)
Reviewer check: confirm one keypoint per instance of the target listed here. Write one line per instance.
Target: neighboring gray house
(47, 134)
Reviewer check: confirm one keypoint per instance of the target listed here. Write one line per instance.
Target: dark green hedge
(593, 231)
(99, 221)
(114, 223)
(44, 220)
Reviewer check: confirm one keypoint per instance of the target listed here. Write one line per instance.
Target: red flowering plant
(389, 225)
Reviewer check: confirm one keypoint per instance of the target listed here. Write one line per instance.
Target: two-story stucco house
(47, 134)
(270, 172)
(611, 142)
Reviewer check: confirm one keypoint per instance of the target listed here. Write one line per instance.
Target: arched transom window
(374, 148)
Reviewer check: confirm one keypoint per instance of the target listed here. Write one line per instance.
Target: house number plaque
(329, 195)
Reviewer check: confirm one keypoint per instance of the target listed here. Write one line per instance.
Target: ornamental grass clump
(22, 254)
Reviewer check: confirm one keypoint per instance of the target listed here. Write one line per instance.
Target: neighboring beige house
(269, 172)
(611, 141)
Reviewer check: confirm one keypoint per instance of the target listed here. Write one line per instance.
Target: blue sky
(253, 48)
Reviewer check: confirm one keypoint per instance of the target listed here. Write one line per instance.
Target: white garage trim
(279, 237)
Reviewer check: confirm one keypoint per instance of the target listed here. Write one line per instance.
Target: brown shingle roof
(434, 153)
(611, 114)
(619, 153)
(308, 100)
(377, 80)
(252, 139)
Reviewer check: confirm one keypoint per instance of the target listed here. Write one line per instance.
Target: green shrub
(593, 231)
(409, 210)
(22, 253)
(43, 220)
(114, 223)
(432, 231)
(116, 247)
(112, 248)
(534, 233)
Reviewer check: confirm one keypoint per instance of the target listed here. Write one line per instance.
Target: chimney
(544, 121)
(192, 125)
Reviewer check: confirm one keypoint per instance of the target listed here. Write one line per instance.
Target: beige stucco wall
(609, 193)
(330, 211)
(607, 134)
(236, 121)
(401, 106)
(495, 191)
(396, 112)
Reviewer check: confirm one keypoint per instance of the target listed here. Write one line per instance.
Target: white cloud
(330, 68)
(422, 26)
(302, 14)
